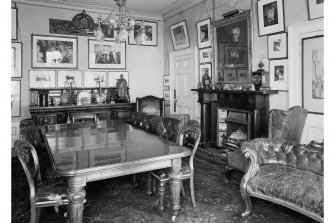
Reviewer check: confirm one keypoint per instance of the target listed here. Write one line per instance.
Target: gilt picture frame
(150, 30)
(313, 74)
(179, 35)
(204, 33)
(106, 55)
(54, 52)
(270, 16)
(16, 55)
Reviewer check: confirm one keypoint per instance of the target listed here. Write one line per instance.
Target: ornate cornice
(90, 7)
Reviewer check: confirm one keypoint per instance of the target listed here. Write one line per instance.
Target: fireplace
(233, 127)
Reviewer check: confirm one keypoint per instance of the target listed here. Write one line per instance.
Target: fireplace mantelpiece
(257, 102)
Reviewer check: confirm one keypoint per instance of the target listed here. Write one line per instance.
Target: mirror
(232, 39)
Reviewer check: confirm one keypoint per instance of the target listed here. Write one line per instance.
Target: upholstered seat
(42, 193)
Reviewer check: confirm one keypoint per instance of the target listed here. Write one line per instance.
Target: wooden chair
(151, 105)
(41, 193)
(188, 136)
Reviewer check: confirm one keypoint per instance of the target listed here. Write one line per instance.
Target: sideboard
(62, 114)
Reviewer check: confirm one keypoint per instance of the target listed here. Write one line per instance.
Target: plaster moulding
(90, 7)
(179, 6)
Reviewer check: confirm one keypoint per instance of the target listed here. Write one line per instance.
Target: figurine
(122, 88)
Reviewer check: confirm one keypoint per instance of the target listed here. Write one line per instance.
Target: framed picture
(14, 23)
(149, 36)
(179, 35)
(64, 77)
(270, 16)
(166, 81)
(278, 74)
(205, 55)
(54, 51)
(277, 46)
(42, 78)
(92, 79)
(315, 9)
(114, 76)
(16, 98)
(106, 55)
(313, 74)
(232, 47)
(166, 95)
(205, 68)
(242, 75)
(204, 33)
(17, 59)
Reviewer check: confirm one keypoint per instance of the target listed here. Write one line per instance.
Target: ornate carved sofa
(285, 173)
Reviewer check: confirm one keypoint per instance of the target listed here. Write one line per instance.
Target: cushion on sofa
(299, 187)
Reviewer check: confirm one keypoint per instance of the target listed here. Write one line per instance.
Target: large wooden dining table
(92, 151)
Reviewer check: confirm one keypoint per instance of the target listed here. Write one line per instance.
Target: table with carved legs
(86, 152)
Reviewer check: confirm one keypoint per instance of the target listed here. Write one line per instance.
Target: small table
(85, 152)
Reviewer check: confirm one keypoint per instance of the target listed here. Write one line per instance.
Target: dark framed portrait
(232, 43)
(270, 16)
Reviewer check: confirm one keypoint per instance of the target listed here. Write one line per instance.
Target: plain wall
(294, 12)
(144, 63)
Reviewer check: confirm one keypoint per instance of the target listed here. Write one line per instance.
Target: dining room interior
(168, 111)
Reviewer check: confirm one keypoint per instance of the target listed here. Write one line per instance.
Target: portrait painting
(204, 33)
(16, 56)
(144, 34)
(67, 78)
(315, 9)
(179, 35)
(42, 78)
(54, 51)
(277, 46)
(114, 76)
(313, 73)
(95, 79)
(16, 98)
(270, 16)
(278, 74)
(106, 55)
(233, 39)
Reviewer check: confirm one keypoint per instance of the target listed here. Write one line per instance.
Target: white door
(184, 78)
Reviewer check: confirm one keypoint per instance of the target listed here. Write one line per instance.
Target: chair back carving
(288, 124)
(151, 105)
(29, 160)
(169, 128)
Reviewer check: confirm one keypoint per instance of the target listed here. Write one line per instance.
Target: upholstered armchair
(286, 125)
(42, 194)
(151, 105)
(285, 173)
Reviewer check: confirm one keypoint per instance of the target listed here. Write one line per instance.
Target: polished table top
(85, 147)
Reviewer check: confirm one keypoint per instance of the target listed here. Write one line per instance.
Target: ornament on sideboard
(206, 80)
(258, 76)
(122, 88)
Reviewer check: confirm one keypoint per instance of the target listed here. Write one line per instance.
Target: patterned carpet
(118, 201)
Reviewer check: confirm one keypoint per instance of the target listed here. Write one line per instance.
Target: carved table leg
(175, 184)
(76, 195)
(161, 197)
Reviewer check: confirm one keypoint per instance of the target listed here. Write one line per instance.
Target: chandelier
(122, 22)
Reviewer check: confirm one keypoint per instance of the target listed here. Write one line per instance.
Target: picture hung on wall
(94, 78)
(315, 9)
(114, 76)
(106, 55)
(233, 41)
(14, 22)
(270, 16)
(65, 78)
(166, 81)
(277, 46)
(242, 75)
(205, 55)
(205, 69)
(278, 74)
(42, 78)
(150, 31)
(179, 35)
(16, 59)
(204, 33)
(16, 98)
(54, 51)
(313, 74)
(166, 95)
